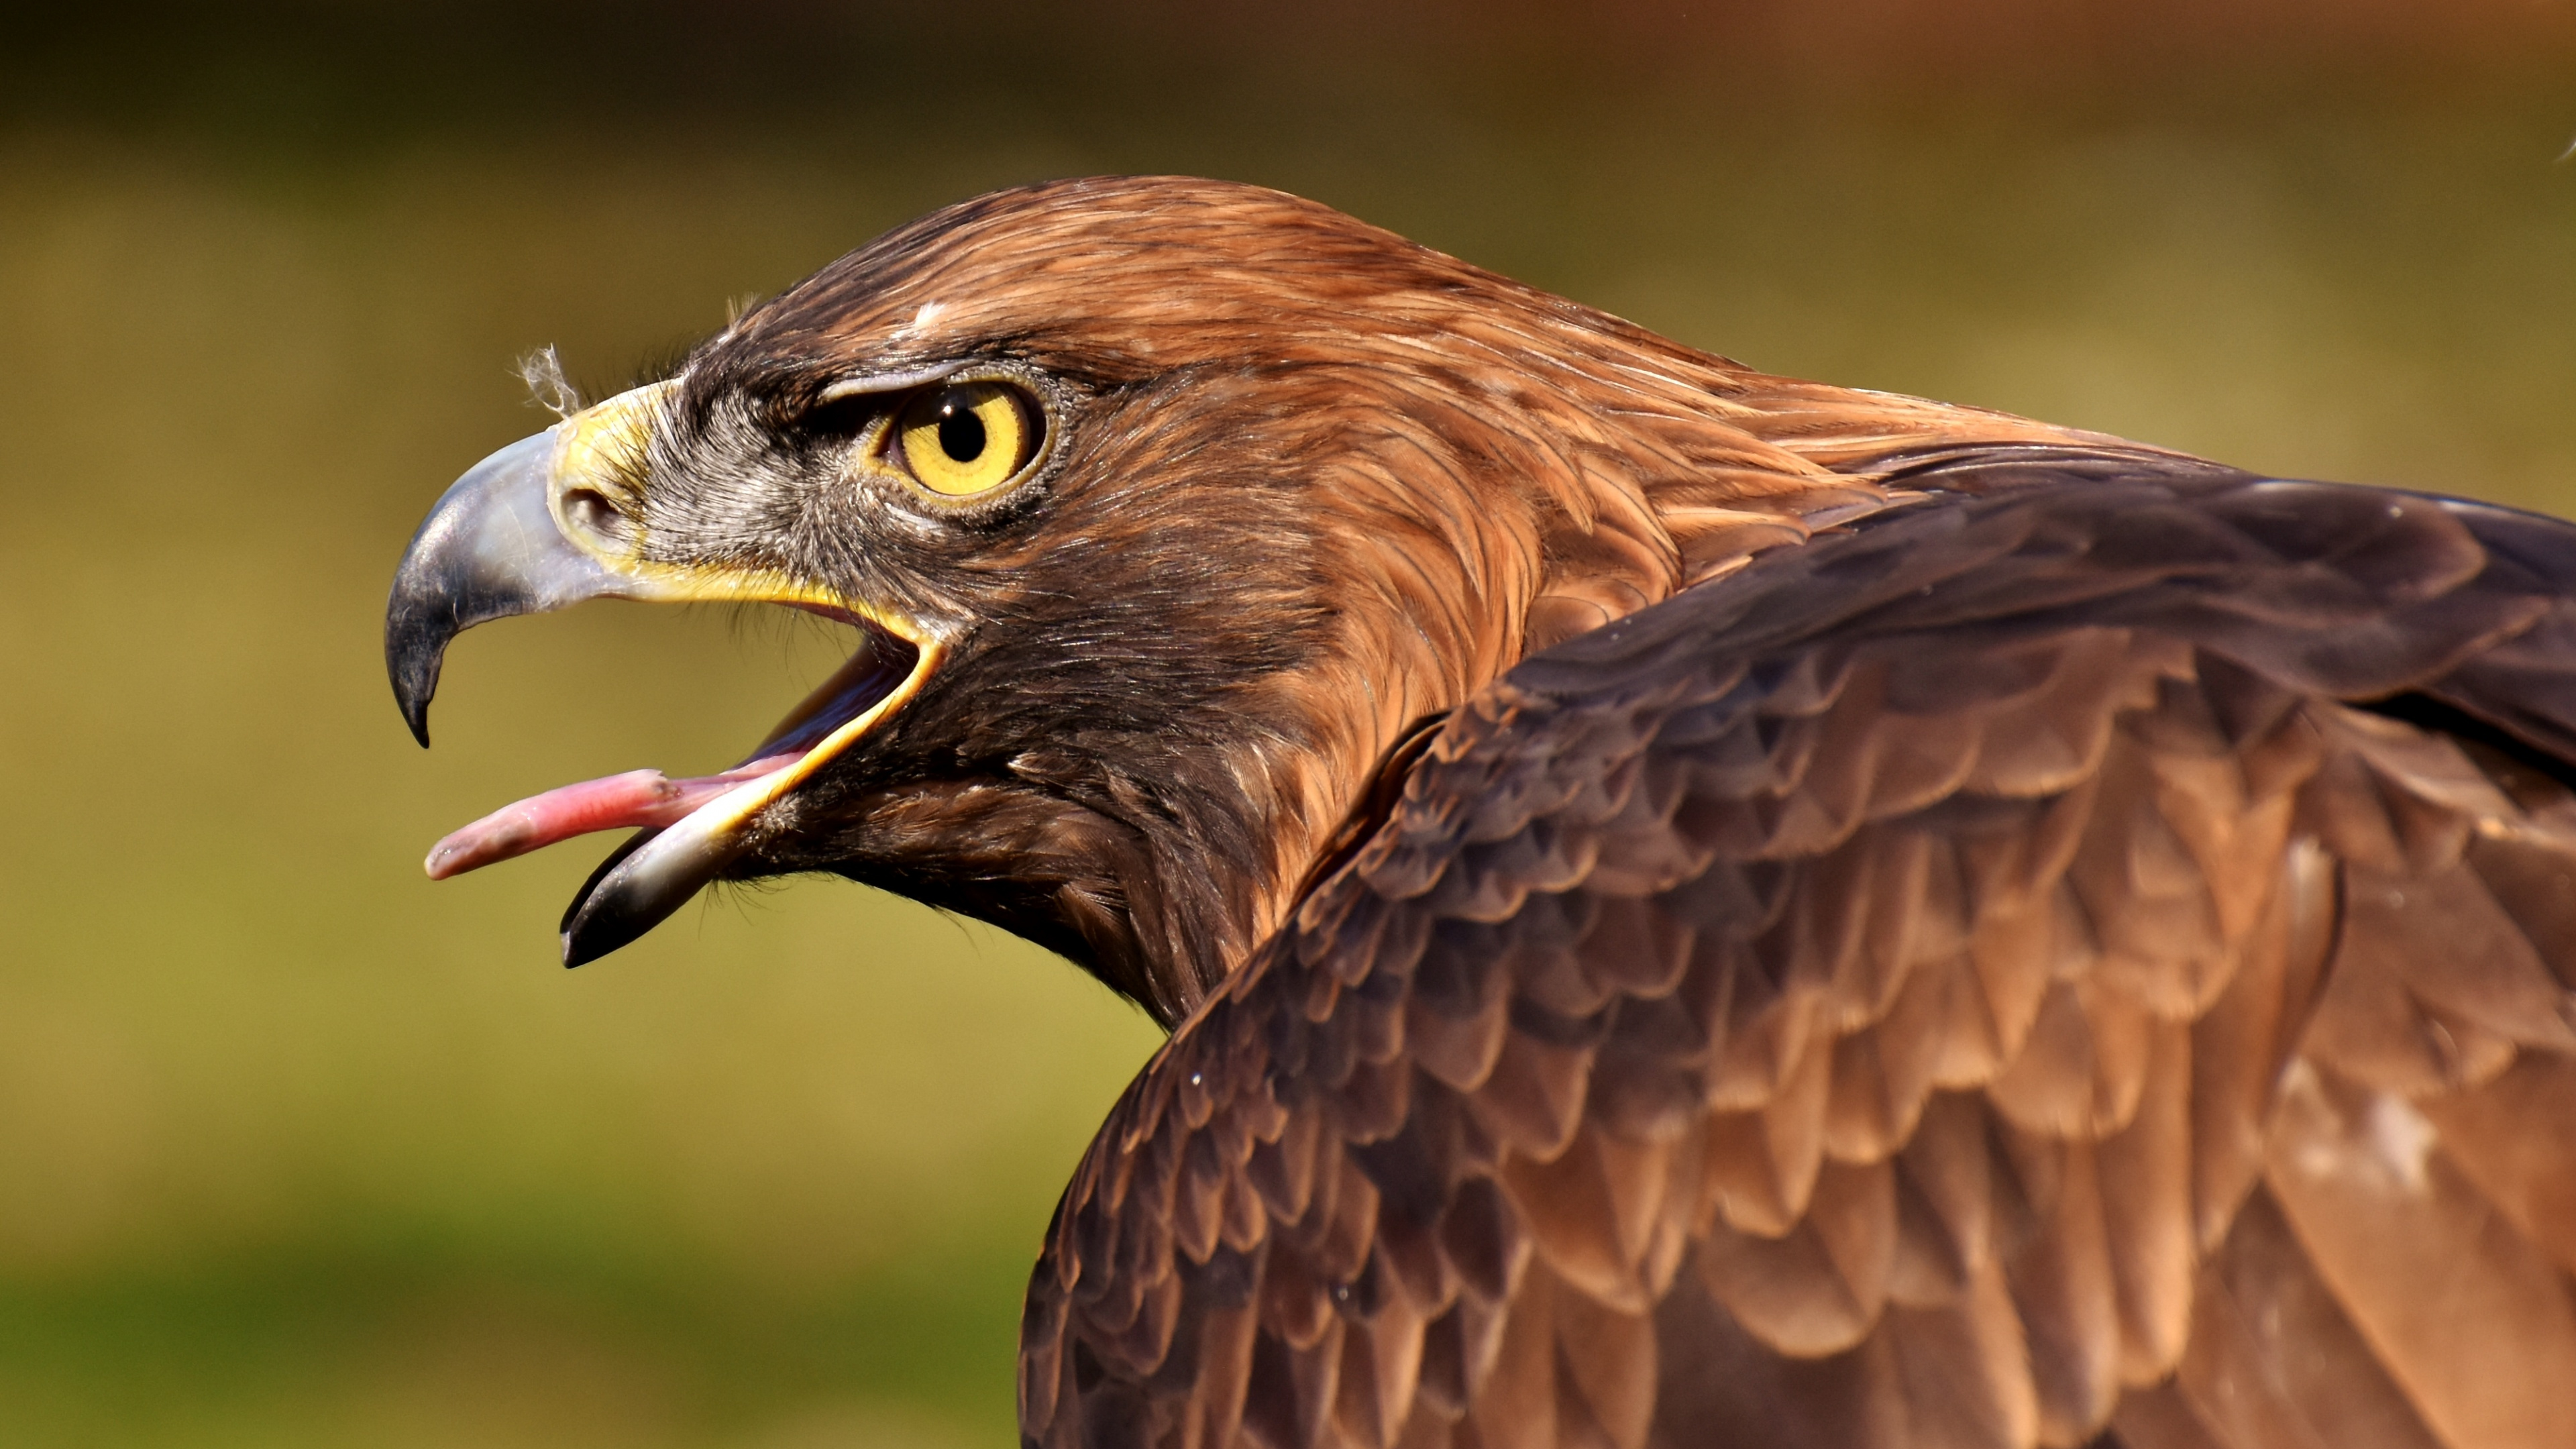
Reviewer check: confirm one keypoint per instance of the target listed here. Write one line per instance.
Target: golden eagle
(1694, 908)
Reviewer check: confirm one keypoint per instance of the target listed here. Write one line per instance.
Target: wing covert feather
(1997, 976)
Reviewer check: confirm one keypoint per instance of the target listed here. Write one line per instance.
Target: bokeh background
(299, 1150)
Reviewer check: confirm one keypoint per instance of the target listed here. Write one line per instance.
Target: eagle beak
(553, 520)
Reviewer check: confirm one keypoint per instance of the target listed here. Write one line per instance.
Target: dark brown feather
(1977, 980)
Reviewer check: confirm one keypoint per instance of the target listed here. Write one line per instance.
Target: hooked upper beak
(489, 550)
(555, 519)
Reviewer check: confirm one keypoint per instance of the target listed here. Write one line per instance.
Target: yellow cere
(965, 439)
(603, 445)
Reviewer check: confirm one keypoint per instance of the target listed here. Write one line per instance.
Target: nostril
(589, 510)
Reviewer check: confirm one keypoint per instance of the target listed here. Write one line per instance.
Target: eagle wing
(2088, 948)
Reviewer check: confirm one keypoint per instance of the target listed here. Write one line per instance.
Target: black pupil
(961, 433)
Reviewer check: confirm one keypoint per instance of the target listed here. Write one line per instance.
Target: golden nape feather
(1695, 908)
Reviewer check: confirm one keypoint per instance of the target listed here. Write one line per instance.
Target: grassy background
(297, 1149)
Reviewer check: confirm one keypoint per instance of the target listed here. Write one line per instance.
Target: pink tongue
(638, 797)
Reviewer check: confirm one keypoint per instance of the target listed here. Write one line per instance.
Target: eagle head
(1163, 509)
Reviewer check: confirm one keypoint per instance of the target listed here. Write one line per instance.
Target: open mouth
(819, 727)
(516, 535)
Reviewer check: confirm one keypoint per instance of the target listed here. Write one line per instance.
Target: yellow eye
(966, 439)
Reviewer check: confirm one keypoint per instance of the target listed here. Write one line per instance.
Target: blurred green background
(297, 1149)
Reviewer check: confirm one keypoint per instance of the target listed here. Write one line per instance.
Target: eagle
(1692, 907)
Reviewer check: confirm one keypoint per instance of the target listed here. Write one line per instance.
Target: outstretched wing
(2088, 950)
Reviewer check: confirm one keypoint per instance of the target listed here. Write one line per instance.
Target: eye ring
(965, 439)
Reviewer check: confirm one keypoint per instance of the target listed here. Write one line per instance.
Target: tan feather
(2146, 1175)
(2528, 1173)
(2273, 1360)
(2412, 1251)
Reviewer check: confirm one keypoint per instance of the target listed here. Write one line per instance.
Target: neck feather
(1460, 540)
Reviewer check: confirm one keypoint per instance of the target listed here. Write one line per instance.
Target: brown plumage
(1696, 908)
